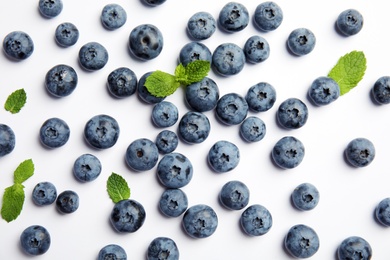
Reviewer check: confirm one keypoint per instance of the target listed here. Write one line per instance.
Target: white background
(348, 195)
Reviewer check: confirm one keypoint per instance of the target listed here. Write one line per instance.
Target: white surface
(348, 195)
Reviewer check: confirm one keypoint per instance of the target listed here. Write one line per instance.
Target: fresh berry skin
(165, 114)
(200, 221)
(256, 220)
(101, 131)
(323, 91)
(382, 212)
(201, 26)
(66, 34)
(154, 2)
(35, 240)
(173, 202)
(194, 127)
(167, 141)
(67, 202)
(288, 152)
(113, 16)
(87, 167)
(122, 82)
(232, 109)
(233, 17)
(301, 41)
(256, 49)
(268, 16)
(223, 156)
(141, 154)
(203, 95)
(292, 113)
(50, 8)
(162, 248)
(54, 133)
(381, 90)
(44, 193)
(127, 216)
(360, 152)
(112, 251)
(228, 59)
(305, 196)
(143, 92)
(234, 195)
(146, 42)
(261, 97)
(61, 80)
(93, 56)
(7, 140)
(350, 22)
(252, 129)
(174, 171)
(193, 51)
(301, 241)
(354, 247)
(18, 45)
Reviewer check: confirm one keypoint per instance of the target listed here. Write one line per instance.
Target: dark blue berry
(66, 34)
(323, 91)
(305, 196)
(301, 41)
(193, 51)
(194, 127)
(61, 80)
(252, 129)
(101, 131)
(268, 16)
(165, 114)
(203, 95)
(162, 248)
(67, 202)
(256, 49)
(233, 17)
(350, 22)
(167, 141)
(7, 140)
(44, 193)
(256, 220)
(288, 152)
(50, 8)
(354, 247)
(141, 154)
(122, 82)
(173, 202)
(228, 59)
(234, 195)
(112, 251)
(292, 113)
(113, 16)
(360, 152)
(301, 241)
(223, 156)
(127, 216)
(87, 167)
(18, 45)
(201, 25)
(174, 170)
(35, 240)
(232, 109)
(93, 56)
(200, 221)
(261, 97)
(381, 90)
(54, 133)
(146, 42)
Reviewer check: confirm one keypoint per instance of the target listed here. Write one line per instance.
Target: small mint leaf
(193, 72)
(15, 101)
(161, 84)
(24, 171)
(13, 200)
(117, 188)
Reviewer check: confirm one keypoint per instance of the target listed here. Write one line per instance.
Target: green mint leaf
(16, 101)
(117, 188)
(161, 84)
(349, 70)
(24, 171)
(13, 200)
(180, 73)
(194, 72)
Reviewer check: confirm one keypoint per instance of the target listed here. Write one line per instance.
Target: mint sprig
(162, 84)
(117, 188)
(15, 101)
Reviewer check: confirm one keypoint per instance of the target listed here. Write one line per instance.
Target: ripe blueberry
(44, 193)
(354, 247)
(61, 80)
(288, 152)
(112, 251)
(35, 240)
(67, 202)
(143, 92)
(256, 49)
(174, 170)
(165, 114)
(305, 196)
(232, 109)
(50, 8)
(268, 16)
(146, 41)
(301, 41)
(223, 156)
(162, 248)
(127, 216)
(93, 56)
(301, 241)
(349, 22)
(54, 133)
(292, 113)
(87, 167)
(200, 221)
(141, 154)
(113, 16)
(203, 95)
(233, 17)
(256, 220)
(382, 212)
(194, 127)
(101, 131)
(66, 34)
(261, 97)
(193, 51)
(323, 91)
(252, 129)
(18, 45)
(234, 195)
(360, 152)
(7, 140)
(381, 90)
(228, 59)
(122, 82)
(173, 202)
(201, 25)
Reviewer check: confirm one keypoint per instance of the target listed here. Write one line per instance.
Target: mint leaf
(117, 188)
(13, 200)
(161, 84)
(349, 70)
(195, 71)
(24, 171)
(16, 101)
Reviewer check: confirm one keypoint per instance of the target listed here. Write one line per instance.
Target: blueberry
(146, 41)
(67, 202)
(234, 195)
(193, 51)
(268, 16)
(7, 140)
(113, 16)
(233, 17)
(35, 240)
(174, 170)
(194, 127)
(93, 56)
(261, 97)
(141, 154)
(223, 156)
(292, 113)
(381, 90)
(165, 114)
(360, 152)
(54, 133)
(127, 216)
(354, 247)
(173, 202)
(349, 22)
(232, 109)
(203, 95)
(122, 82)
(305, 196)
(288, 152)
(163, 248)
(256, 49)
(66, 34)
(201, 26)
(50, 8)
(301, 41)
(167, 141)
(61, 80)
(18, 45)
(112, 251)
(323, 91)
(44, 193)
(252, 129)
(143, 92)
(382, 212)
(154, 2)
(228, 59)
(87, 167)
(256, 220)
(301, 241)
(101, 131)
(200, 221)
